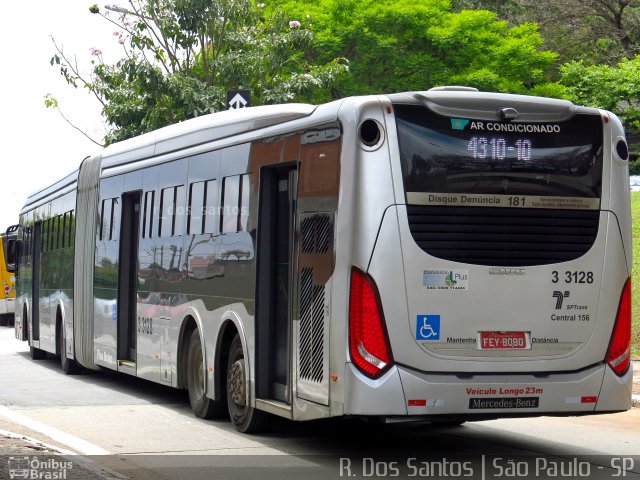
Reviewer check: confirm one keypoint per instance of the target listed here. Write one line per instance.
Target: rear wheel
(37, 354)
(245, 418)
(68, 365)
(201, 405)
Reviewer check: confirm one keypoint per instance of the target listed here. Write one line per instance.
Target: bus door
(35, 279)
(127, 277)
(274, 285)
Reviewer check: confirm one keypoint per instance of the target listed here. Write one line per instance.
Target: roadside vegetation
(179, 57)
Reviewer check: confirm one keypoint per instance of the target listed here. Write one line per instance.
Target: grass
(635, 275)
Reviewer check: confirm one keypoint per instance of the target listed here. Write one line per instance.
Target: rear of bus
(499, 280)
(7, 275)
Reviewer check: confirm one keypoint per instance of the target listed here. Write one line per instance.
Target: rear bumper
(7, 306)
(403, 391)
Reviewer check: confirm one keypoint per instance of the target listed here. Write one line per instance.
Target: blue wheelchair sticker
(428, 327)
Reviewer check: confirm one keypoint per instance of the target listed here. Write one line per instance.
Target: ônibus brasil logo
(38, 467)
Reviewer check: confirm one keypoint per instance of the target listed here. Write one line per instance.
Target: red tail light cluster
(619, 352)
(368, 342)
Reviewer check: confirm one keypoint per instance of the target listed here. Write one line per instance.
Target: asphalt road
(142, 430)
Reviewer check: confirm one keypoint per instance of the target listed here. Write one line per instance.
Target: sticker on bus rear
(428, 327)
(445, 279)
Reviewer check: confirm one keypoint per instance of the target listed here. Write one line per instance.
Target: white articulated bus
(441, 256)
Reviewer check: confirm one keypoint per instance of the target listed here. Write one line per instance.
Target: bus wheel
(37, 354)
(202, 406)
(69, 366)
(245, 418)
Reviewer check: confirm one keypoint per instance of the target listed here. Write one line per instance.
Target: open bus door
(274, 285)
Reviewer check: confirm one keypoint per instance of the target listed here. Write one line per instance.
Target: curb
(37, 445)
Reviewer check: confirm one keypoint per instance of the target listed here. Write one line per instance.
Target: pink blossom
(96, 52)
(294, 24)
(121, 40)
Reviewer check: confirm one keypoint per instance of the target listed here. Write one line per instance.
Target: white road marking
(77, 444)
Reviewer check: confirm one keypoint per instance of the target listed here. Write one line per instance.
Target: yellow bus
(7, 274)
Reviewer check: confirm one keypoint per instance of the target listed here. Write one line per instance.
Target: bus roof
(202, 129)
(216, 126)
(58, 188)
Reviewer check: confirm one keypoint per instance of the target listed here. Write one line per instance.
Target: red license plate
(504, 340)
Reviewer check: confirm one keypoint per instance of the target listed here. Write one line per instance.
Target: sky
(37, 147)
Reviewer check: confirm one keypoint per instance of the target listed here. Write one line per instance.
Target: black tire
(3, 320)
(69, 366)
(244, 418)
(202, 406)
(37, 354)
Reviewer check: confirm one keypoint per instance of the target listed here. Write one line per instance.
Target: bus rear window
(9, 246)
(469, 159)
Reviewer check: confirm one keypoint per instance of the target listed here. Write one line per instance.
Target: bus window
(147, 222)
(56, 230)
(65, 233)
(196, 208)
(106, 217)
(167, 200)
(71, 229)
(9, 245)
(230, 210)
(211, 206)
(179, 211)
(244, 203)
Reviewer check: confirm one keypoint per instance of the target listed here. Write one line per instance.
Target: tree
(396, 45)
(614, 88)
(181, 56)
(596, 31)
(511, 10)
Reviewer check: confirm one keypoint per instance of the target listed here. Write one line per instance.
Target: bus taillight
(368, 342)
(619, 354)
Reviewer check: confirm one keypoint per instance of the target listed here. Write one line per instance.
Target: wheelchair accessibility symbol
(428, 327)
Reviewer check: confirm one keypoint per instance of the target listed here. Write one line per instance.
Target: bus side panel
(24, 294)
(105, 277)
(619, 196)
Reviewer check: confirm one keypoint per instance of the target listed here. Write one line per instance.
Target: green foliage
(615, 88)
(595, 31)
(399, 45)
(181, 56)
